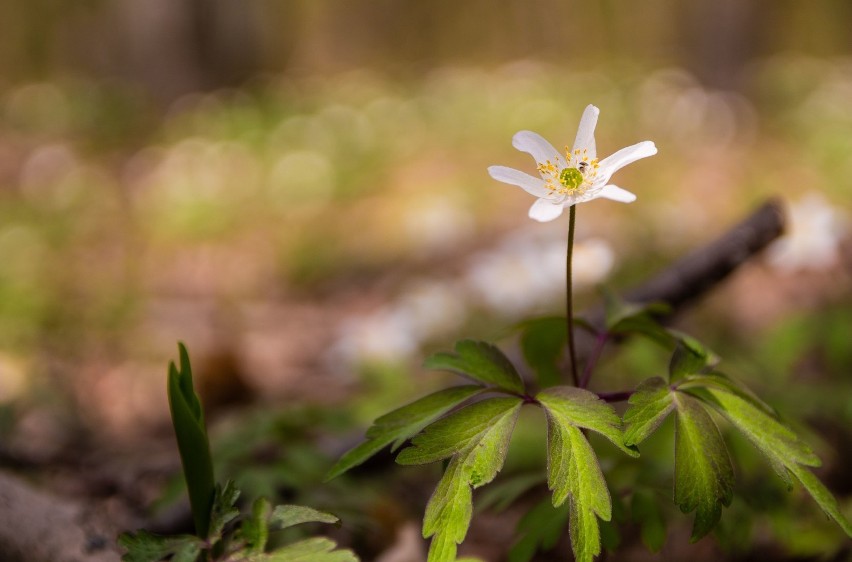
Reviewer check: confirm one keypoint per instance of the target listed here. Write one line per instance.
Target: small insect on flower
(575, 177)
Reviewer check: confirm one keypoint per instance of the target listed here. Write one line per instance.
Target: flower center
(571, 178)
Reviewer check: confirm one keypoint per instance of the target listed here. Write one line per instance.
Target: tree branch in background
(695, 274)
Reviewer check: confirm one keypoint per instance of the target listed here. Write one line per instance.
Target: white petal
(616, 194)
(530, 184)
(544, 210)
(541, 150)
(586, 131)
(623, 157)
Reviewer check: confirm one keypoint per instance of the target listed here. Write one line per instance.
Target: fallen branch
(689, 278)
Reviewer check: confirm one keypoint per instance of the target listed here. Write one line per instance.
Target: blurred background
(298, 191)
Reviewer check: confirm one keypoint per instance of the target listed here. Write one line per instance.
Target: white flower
(574, 178)
(813, 238)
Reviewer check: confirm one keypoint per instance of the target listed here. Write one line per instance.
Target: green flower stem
(569, 300)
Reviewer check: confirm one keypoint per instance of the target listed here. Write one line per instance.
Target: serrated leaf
(704, 477)
(254, 529)
(193, 445)
(485, 425)
(143, 546)
(649, 406)
(448, 513)
(479, 361)
(822, 496)
(573, 472)
(477, 437)
(539, 530)
(690, 357)
(224, 508)
(785, 451)
(543, 344)
(399, 425)
(770, 436)
(721, 381)
(317, 549)
(284, 516)
(581, 408)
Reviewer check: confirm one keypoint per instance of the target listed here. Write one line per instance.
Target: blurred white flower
(528, 271)
(432, 308)
(524, 272)
(575, 178)
(812, 240)
(384, 336)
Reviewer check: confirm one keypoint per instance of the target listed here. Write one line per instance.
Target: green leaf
(573, 473)
(704, 477)
(822, 496)
(477, 438)
(785, 451)
(399, 425)
(581, 408)
(649, 406)
(721, 381)
(540, 530)
(285, 516)
(224, 508)
(255, 528)
(624, 317)
(498, 497)
(317, 549)
(193, 445)
(645, 511)
(543, 345)
(485, 426)
(481, 362)
(143, 546)
(690, 357)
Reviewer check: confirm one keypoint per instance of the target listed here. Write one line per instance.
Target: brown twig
(689, 278)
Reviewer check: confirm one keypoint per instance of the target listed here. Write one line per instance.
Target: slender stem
(600, 342)
(569, 300)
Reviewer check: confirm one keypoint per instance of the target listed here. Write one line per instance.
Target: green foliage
(689, 358)
(539, 529)
(481, 362)
(477, 439)
(284, 516)
(143, 546)
(785, 451)
(581, 408)
(573, 471)
(543, 345)
(224, 508)
(397, 426)
(645, 511)
(191, 433)
(704, 476)
(224, 536)
(649, 405)
(622, 317)
(316, 549)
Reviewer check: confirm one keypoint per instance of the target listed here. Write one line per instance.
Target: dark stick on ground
(689, 278)
(697, 272)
